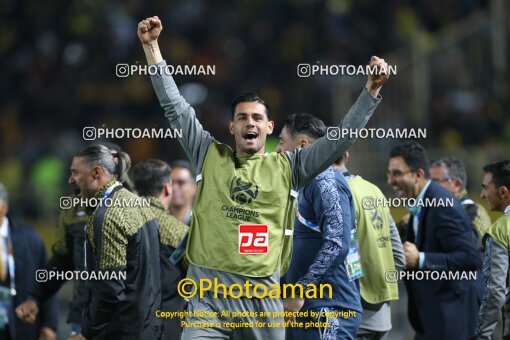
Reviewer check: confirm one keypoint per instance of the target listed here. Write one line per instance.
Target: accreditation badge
(353, 260)
(5, 304)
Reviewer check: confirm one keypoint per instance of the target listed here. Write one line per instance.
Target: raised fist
(149, 30)
(376, 80)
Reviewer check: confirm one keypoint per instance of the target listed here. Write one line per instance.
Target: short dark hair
(150, 177)
(249, 97)
(500, 173)
(184, 164)
(455, 169)
(414, 155)
(305, 123)
(339, 160)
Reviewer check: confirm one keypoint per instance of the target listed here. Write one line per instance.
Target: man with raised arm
(242, 222)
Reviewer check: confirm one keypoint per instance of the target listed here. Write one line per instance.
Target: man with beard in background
(121, 240)
(67, 255)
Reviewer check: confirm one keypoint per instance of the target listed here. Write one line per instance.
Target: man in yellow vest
(496, 261)
(241, 227)
(381, 254)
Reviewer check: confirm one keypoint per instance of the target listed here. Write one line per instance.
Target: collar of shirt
(107, 189)
(415, 210)
(346, 173)
(507, 210)
(4, 228)
(462, 195)
(156, 203)
(187, 219)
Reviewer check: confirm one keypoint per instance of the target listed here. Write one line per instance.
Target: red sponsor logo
(253, 238)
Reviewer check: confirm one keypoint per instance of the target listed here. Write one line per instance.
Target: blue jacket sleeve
(326, 203)
(454, 234)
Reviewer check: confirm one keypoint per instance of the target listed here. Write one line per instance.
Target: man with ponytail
(120, 241)
(67, 255)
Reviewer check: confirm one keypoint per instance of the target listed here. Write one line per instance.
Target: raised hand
(149, 30)
(376, 80)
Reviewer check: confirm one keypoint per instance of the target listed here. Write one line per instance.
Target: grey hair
(115, 163)
(455, 169)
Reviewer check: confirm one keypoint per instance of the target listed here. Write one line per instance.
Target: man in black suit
(22, 253)
(439, 240)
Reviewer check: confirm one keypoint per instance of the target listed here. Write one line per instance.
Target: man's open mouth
(250, 136)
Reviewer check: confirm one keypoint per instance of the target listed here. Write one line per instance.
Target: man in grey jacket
(250, 125)
(496, 261)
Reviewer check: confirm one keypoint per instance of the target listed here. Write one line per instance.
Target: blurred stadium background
(58, 76)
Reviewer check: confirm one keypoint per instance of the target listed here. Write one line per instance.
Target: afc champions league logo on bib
(243, 192)
(376, 219)
(252, 238)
